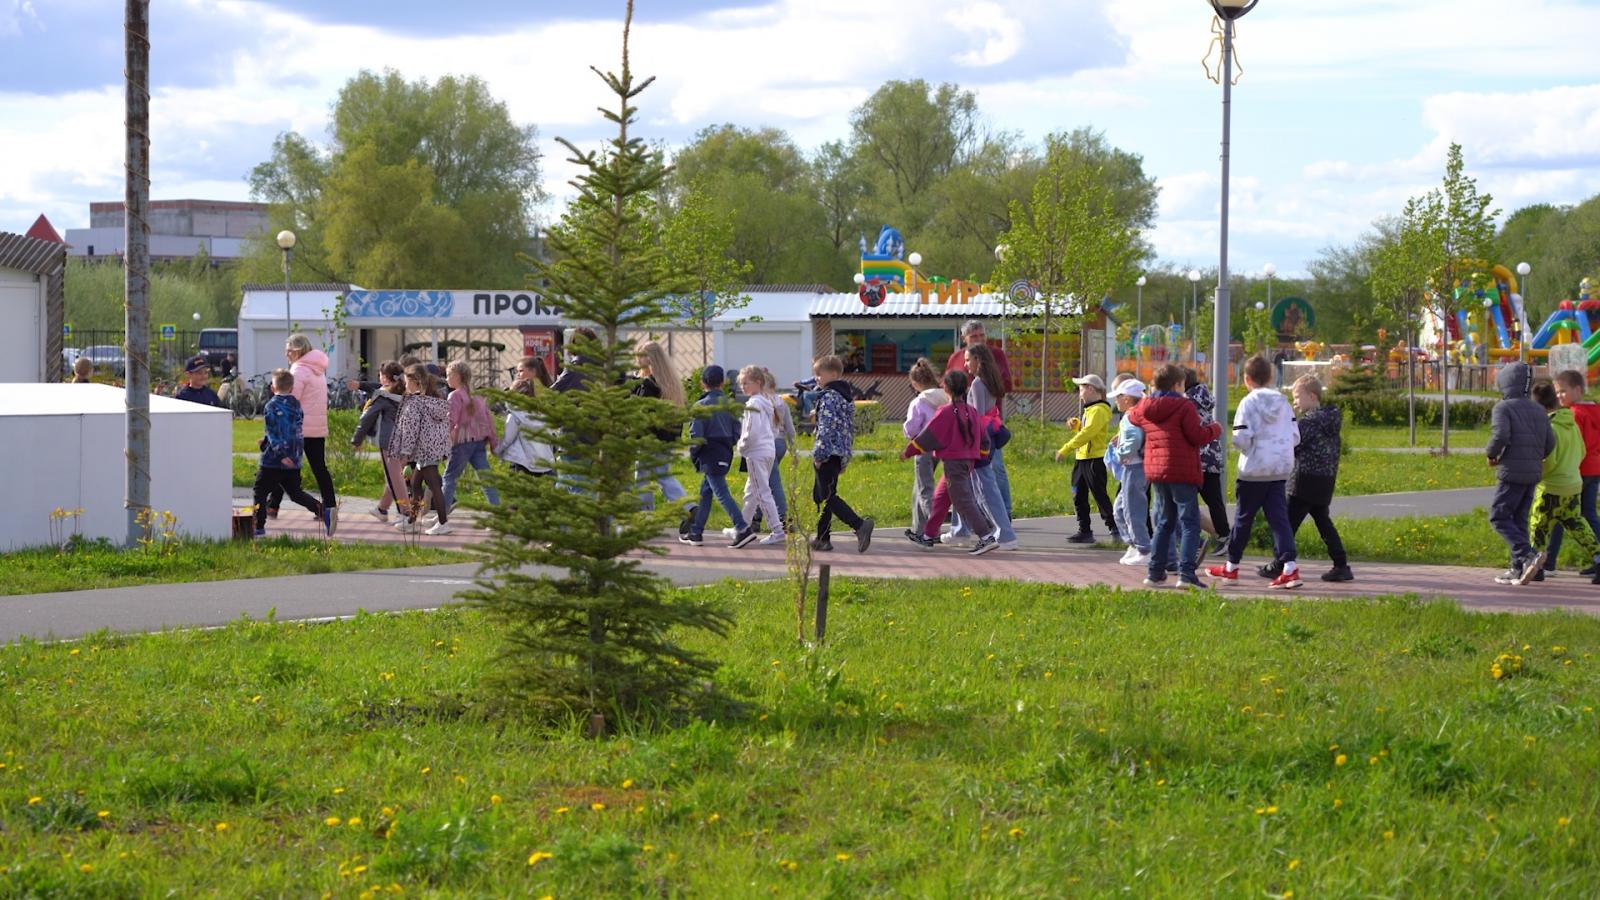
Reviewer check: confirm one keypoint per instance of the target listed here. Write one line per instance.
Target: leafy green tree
(600, 638)
(386, 228)
(912, 134)
(1070, 243)
(697, 240)
(479, 165)
(1399, 277)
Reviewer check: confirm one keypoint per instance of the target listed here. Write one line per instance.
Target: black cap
(196, 363)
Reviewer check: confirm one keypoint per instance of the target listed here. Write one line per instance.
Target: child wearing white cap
(1126, 453)
(1088, 447)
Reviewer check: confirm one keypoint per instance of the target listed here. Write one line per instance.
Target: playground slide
(1592, 348)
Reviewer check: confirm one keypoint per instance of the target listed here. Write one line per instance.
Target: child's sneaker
(921, 540)
(1155, 581)
(1285, 581)
(952, 539)
(333, 519)
(1082, 537)
(1224, 573)
(693, 540)
(822, 545)
(261, 532)
(1509, 576)
(743, 538)
(1127, 556)
(1270, 570)
(406, 526)
(864, 534)
(1339, 573)
(440, 528)
(1531, 567)
(686, 524)
(984, 545)
(776, 537)
(382, 515)
(1010, 545)
(328, 522)
(1191, 583)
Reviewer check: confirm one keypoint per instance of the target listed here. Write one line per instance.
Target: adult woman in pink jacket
(310, 369)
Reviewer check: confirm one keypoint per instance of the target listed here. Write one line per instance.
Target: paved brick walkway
(1043, 558)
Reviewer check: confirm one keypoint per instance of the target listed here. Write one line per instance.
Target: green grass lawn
(952, 739)
(100, 565)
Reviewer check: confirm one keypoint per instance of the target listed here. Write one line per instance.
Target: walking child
(1088, 445)
(1126, 452)
(930, 397)
(757, 444)
(281, 451)
(711, 439)
(956, 437)
(1215, 524)
(377, 422)
(1265, 432)
(783, 440)
(1557, 499)
(1316, 469)
(830, 454)
(471, 435)
(1520, 437)
(1570, 386)
(1173, 437)
(422, 438)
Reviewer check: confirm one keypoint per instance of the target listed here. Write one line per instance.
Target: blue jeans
(994, 503)
(477, 454)
(1132, 507)
(997, 462)
(660, 473)
(715, 484)
(1177, 516)
(1591, 488)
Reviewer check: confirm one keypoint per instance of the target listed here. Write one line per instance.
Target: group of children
(1546, 451)
(413, 423)
(767, 424)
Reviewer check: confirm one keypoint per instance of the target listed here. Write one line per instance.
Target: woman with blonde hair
(658, 380)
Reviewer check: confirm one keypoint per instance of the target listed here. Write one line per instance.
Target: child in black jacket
(1316, 469)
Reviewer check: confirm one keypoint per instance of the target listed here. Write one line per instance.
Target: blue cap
(713, 376)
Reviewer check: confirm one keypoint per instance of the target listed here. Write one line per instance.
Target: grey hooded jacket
(1520, 436)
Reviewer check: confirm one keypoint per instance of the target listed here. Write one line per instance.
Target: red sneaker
(1222, 572)
(1286, 580)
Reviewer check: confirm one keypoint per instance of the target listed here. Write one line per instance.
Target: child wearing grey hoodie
(1265, 433)
(1520, 437)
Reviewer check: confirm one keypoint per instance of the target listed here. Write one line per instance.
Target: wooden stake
(822, 602)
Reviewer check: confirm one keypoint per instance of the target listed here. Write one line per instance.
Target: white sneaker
(730, 532)
(1139, 559)
(1127, 558)
(407, 527)
(382, 515)
(440, 528)
(777, 538)
(430, 519)
(955, 540)
(1010, 545)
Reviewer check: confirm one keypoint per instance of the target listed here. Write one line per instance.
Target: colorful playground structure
(886, 269)
(1572, 323)
(1502, 318)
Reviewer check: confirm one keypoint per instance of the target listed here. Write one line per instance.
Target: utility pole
(136, 200)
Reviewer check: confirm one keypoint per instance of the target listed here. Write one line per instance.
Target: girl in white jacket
(757, 446)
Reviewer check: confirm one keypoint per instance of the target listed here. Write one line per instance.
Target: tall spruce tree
(599, 639)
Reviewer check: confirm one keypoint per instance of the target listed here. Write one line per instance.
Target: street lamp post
(1229, 11)
(1138, 316)
(1194, 304)
(1523, 270)
(286, 244)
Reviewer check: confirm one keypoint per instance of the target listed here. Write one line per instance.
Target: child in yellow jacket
(1088, 446)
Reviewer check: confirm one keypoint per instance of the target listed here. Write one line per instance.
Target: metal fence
(167, 351)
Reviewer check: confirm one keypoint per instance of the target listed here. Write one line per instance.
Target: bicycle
(238, 397)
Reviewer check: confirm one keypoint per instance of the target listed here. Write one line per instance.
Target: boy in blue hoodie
(280, 452)
(711, 440)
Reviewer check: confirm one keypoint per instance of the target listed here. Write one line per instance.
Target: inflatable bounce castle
(1573, 323)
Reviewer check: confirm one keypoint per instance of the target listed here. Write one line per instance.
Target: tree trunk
(137, 273)
(1411, 389)
(1444, 382)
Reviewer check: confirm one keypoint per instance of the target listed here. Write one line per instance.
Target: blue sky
(1343, 110)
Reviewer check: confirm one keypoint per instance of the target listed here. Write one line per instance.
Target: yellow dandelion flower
(713, 819)
(1340, 760)
(563, 810)
(426, 769)
(1272, 810)
(73, 652)
(597, 806)
(86, 868)
(842, 857)
(1337, 803)
(648, 848)
(354, 821)
(539, 856)
(332, 821)
(221, 826)
(627, 783)
(388, 811)
(1563, 822)
(35, 801)
(1372, 760)
(103, 814)
(1388, 835)
(494, 799)
(1015, 833)
(337, 791)
(1294, 864)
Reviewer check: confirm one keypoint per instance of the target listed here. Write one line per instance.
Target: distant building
(178, 229)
